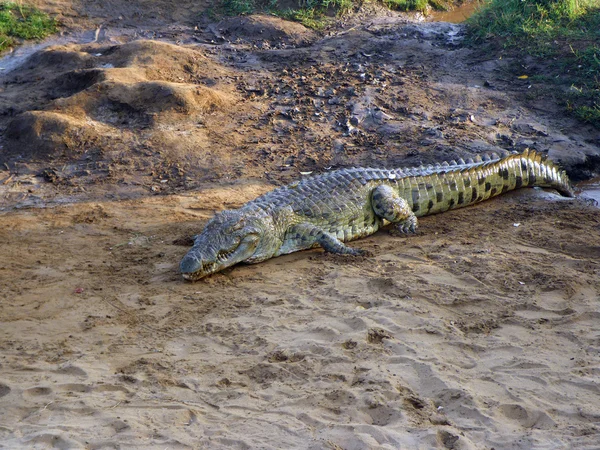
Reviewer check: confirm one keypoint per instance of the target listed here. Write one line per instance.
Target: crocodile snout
(189, 266)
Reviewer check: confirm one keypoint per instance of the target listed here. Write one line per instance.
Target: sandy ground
(480, 332)
(476, 330)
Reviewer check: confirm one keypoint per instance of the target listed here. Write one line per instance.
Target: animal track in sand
(72, 370)
(38, 391)
(48, 440)
(74, 387)
(111, 388)
(4, 390)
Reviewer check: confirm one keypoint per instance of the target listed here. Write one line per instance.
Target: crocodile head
(228, 238)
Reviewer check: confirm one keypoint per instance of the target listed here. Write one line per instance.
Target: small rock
(349, 344)
(338, 146)
(50, 175)
(529, 128)
(434, 132)
(447, 439)
(439, 419)
(377, 335)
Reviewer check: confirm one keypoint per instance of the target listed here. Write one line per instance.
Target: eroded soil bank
(478, 332)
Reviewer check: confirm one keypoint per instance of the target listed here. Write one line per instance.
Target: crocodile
(330, 209)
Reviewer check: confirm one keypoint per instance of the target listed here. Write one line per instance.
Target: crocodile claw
(407, 227)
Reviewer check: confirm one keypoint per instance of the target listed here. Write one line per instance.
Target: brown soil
(464, 336)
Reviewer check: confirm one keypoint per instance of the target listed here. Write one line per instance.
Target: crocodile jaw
(203, 260)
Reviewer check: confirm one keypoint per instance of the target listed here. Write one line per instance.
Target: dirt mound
(96, 91)
(160, 60)
(60, 58)
(142, 102)
(41, 133)
(265, 31)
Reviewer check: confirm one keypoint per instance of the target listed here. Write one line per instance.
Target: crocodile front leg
(306, 235)
(388, 205)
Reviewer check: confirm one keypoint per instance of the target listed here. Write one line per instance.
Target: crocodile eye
(238, 226)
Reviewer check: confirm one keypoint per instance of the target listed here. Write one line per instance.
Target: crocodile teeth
(223, 256)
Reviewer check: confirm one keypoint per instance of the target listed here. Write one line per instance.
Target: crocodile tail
(538, 170)
(464, 184)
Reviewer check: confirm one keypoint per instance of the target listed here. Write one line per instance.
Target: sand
(476, 333)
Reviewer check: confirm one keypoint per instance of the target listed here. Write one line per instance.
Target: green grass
(18, 21)
(566, 32)
(310, 18)
(316, 13)
(534, 21)
(311, 13)
(407, 5)
(590, 114)
(239, 7)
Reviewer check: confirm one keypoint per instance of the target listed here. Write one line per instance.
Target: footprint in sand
(74, 387)
(382, 415)
(47, 440)
(4, 390)
(119, 426)
(38, 391)
(111, 388)
(72, 370)
(526, 418)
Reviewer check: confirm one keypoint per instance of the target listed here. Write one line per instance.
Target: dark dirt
(263, 99)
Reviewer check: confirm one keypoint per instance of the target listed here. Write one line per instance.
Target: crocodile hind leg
(388, 205)
(304, 235)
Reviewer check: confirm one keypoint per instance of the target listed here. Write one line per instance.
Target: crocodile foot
(406, 227)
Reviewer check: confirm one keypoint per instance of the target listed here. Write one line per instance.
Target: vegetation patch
(18, 21)
(316, 13)
(563, 32)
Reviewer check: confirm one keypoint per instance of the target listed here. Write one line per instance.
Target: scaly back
(439, 188)
(428, 189)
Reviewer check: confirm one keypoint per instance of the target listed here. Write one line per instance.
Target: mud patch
(265, 32)
(165, 117)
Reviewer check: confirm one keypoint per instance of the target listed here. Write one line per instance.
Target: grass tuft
(316, 13)
(532, 21)
(310, 18)
(563, 30)
(239, 7)
(18, 21)
(407, 5)
(589, 114)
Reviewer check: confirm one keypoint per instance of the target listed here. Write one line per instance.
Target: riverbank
(478, 332)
